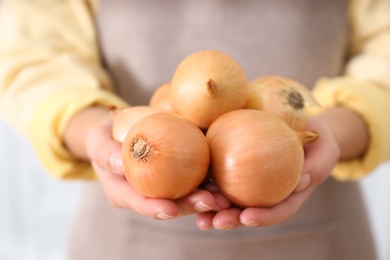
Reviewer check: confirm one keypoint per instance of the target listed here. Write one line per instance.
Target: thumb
(103, 150)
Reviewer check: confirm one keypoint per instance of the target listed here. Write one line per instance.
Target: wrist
(78, 128)
(349, 129)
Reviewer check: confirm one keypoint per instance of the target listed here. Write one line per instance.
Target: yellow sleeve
(49, 70)
(365, 85)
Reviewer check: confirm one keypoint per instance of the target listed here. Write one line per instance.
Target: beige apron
(142, 43)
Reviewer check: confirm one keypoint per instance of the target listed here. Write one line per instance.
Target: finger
(321, 156)
(120, 194)
(222, 201)
(227, 219)
(205, 220)
(197, 201)
(260, 217)
(304, 182)
(318, 163)
(103, 150)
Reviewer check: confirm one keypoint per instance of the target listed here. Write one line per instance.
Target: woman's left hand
(320, 158)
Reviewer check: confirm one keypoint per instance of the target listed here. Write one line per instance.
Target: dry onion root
(207, 84)
(165, 156)
(256, 158)
(282, 96)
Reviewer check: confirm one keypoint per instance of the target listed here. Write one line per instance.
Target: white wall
(377, 193)
(36, 210)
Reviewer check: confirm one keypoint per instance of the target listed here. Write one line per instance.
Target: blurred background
(36, 210)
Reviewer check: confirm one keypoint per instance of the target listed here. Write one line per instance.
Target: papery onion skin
(207, 84)
(162, 98)
(165, 156)
(124, 118)
(256, 158)
(282, 96)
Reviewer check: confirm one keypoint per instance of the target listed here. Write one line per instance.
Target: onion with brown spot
(283, 97)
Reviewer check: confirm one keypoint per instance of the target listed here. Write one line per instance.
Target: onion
(124, 118)
(284, 97)
(256, 158)
(207, 84)
(165, 156)
(162, 99)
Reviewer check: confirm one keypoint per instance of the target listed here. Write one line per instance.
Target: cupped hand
(105, 156)
(320, 158)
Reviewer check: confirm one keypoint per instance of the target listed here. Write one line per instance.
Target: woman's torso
(142, 42)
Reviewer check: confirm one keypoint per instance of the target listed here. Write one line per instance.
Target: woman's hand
(89, 136)
(320, 158)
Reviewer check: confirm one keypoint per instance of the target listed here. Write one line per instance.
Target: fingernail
(116, 162)
(164, 216)
(201, 207)
(250, 223)
(226, 227)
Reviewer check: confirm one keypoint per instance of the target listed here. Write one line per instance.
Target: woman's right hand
(104, 154)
